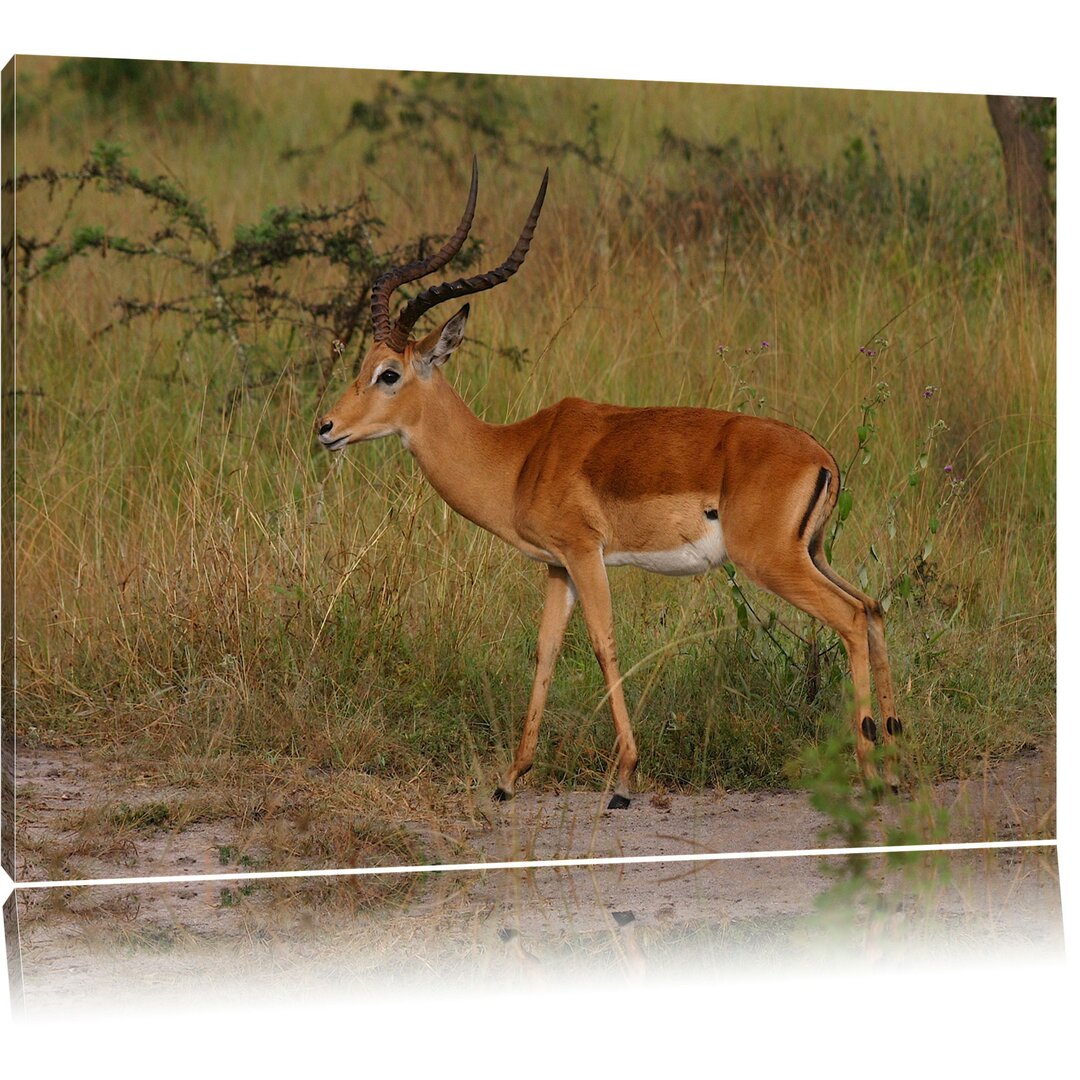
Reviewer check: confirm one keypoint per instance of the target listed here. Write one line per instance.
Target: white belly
(695, 557)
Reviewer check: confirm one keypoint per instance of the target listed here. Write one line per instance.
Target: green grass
(196, 581)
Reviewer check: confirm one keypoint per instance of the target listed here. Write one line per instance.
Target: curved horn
(467, 286)
(393, 279)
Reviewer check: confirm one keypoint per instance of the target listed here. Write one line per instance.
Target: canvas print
(413, 469)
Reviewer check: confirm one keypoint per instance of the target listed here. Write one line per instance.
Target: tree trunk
(1027, 168)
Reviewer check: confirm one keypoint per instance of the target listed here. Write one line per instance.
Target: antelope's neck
(473, 466)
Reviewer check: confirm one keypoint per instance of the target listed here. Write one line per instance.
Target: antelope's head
(386, 398)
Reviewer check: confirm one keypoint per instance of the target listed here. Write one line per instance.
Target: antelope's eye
(389, 377)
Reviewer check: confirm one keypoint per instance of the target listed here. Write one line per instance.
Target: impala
(582, 486)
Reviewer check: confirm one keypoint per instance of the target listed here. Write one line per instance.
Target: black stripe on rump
(823, 477)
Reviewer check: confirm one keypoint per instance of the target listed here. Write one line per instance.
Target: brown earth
(77, 818)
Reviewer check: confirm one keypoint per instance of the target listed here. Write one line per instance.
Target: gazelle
(582, 486)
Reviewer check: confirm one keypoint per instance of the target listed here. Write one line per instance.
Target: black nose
(326, 427)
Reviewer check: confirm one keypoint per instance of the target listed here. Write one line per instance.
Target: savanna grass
(196, 580)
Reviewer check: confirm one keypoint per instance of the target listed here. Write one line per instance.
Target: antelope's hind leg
(558, 605)
(879, 663)
(798, 579)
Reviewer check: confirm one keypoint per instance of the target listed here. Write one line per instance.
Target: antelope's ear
(435, 349)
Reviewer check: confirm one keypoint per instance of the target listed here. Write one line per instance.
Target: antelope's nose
(325, 429)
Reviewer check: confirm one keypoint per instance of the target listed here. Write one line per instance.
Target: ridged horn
(393, 279)
(437, 294)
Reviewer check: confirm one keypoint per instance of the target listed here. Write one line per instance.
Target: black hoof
(894, 788)
(500, 794)
(618, 802)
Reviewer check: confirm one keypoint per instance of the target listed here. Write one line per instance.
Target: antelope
(582, 486)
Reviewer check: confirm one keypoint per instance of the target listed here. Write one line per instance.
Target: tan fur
(579, 481)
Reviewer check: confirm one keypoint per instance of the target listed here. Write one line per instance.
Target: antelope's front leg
(591, 581)
(558, 604)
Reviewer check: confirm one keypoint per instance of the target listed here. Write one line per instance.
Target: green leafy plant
(147, 816)
(419, 108)
(853, 813)
(238, 288)
(172, 91)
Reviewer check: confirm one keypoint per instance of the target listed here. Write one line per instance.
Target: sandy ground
(85, 946)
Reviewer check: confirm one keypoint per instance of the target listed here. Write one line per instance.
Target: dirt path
(82, 818)
(79, 945)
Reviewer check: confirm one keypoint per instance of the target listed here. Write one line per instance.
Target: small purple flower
(929, 391)
(948, 469)
(721, 350)
(764, 344)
